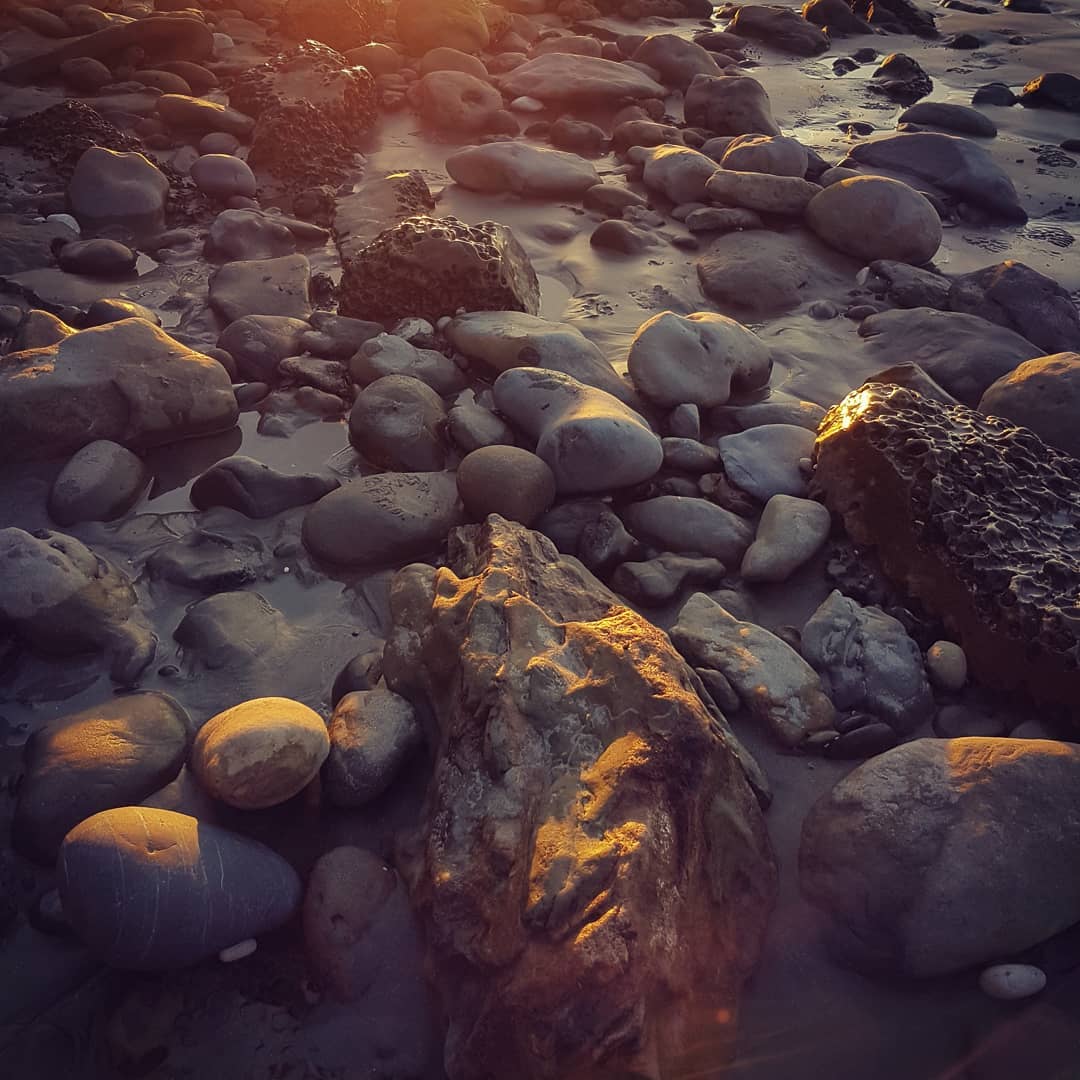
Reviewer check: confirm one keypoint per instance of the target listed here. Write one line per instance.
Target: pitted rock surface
(341, 24)
(592, 867)
(429, 267)
(301, 147)
(977, 518)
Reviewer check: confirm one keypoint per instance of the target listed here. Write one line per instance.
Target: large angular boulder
(591, 867)
(945, 853)
(430, 267)
(975, 517)
(127, 381)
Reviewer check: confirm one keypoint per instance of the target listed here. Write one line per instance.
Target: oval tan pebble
(261, 752)
(946, 664)
(1012, 982)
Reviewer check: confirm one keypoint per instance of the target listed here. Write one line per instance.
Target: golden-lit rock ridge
(592, 870)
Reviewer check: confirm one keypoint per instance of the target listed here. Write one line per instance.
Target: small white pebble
(66, 219)
(527, 105)
(237, 951)
(1011, 982)
(947, 665)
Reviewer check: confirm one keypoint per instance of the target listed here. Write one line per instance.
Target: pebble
(238, 951)
(1012, 982)
(791, 531)
(946, 665)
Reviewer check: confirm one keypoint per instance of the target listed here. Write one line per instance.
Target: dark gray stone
(255, 489)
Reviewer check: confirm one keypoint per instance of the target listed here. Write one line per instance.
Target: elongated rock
(978, 519)
(591, 866)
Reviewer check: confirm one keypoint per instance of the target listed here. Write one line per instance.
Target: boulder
(396, 423)
(1020, 299)
(387, 354)
(779, 27)
(775, 154)
(1041, 394)
(901, 78)
(258, 344)
(729, 105)
(868, 663)
(113, 754)
(548, 937)
(100, 482)
(873, 217)
(701, 358)
(127, 381)
(766, 460)
(99, 257)
(109, 187)
(248, 234)
(560, 79)
(682, 523)
(776, 685)
(1052, 90)
(260, 753)
(591, 440)
(963, 353)
(531, 172)
(28, 245)
(280, 287)
(451, 101)
(974, 517)
(430, 267)
(956, 119)
(675, 171)
(200, 115)
(154, 890)
(376, 520)
(505, 480)
(946, 853)
(372, 732)
(222, 176)
(791, 531)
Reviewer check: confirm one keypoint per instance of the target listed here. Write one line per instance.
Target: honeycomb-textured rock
(301, 147)
(430, 267)
(977, 518)
(63, 132)
(341, 24)
(591, 866)
(313, 73)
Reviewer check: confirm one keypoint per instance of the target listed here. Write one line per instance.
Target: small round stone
(1012, 982)
(223, 176)
(261, 752)
(505, 480)
(947, 665)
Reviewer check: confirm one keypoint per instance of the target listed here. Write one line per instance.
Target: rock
(472, 426)
(956, 721)
(790, 533)
(113, 188)
(684, 524)
(28, 245)
(260, 753)
(762, 273)
(867, 662)
(457, 101)
(372, 732)
(113, 754)
(1021, 299)
(959, 119)
(994, 94)
(256, 490)
(201, 115)
(722, 220)
(764, 460)
(618, 236)
(689, 455)
(1011, 982)
(590, 439)
(536, 619)
(430, 267)
(660, 580)
(1040, 394)
(458, 24)
(128, 382)
(957, 166)
(383, 519)
(96, 258)
(100, 482)
(85, 73)
(248, 234)
(258, 344)
(506, 339)
(221, 176)
(578, 137)
(362, 672)
(729, 105)
(562, 79)
(211, 890)
(675, 171)
(963, 353)
(505, 480)
(218, 142)
(443, 58)
(762, 192)
(946, 665)
(396, 423)
(779, 689)
(339, 337)
(855, 744)
(363, 944)
(110, 309)
(901, 78)
(341, 25)
(941, 854)
(780, 27)
(279, 287)
(993, 559)
(896, 17)
(700, 359)
(578, 44)
(388, 354)
(209, 561)
(638, 133)
(1052, 90)
(873, 217)
(528, 171)
(835, 17)
(775, 154)
(676, 59)
(590, 531)
(908, 286)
